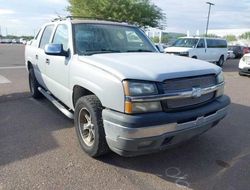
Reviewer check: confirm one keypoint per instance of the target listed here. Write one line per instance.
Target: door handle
(47, 61)
(36, 56)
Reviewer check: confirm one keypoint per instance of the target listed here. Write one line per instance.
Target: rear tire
(89, 126)
(221, 61)
(33, 84)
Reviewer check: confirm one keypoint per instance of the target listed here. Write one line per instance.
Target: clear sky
(24, 17)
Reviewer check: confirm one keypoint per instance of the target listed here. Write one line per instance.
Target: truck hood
(149, 66)
(177, 49)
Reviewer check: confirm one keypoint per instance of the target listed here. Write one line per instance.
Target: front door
(57, 67)
(201, 50)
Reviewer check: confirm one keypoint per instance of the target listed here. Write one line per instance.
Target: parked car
(244, 65)
(230, 54)
(6, 41)
(238, 50)
(246, 50)
(208, 49)
(122, 93)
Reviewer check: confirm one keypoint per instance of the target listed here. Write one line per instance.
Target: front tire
(33, 84)
(221, 61)
(89, 126)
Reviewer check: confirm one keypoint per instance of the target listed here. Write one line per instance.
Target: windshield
(186, 42)
(106, 38)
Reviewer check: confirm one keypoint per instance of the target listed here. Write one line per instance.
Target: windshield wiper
(140, 50)
(92, 52)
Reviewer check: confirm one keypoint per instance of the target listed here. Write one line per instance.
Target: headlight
(137, 88)
(243, 59)
(220, 79)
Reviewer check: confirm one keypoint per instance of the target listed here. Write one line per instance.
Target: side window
(46, 36)
(201, 44)
(216, 43)
(222, 44)
(61, 36)
(209, 43)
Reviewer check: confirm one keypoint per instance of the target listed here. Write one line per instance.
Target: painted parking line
(15, 67)
(4, 80)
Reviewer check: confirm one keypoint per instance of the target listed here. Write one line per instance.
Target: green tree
(141, 12)
(155, 39)
(230, 38)
(246, 35)
(165, 38)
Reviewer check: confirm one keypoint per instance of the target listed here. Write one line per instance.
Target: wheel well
(194, 57)
(79, 92)
(29, 65)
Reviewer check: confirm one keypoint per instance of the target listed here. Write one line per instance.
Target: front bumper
(131, 135)
(245, 71)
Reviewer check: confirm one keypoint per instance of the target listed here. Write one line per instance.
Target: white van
(208, 49)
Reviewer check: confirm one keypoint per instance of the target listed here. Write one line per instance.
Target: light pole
(208, 17)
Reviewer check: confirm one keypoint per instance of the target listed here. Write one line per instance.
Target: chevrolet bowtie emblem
(196, 92)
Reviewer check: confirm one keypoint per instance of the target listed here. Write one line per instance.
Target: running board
(56, 103)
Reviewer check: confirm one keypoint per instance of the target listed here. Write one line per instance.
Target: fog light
(145, 144)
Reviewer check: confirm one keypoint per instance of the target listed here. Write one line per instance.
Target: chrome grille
(187, 84)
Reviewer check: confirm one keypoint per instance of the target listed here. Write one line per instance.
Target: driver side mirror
(55, 49)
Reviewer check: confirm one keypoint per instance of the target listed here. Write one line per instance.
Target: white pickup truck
(122, 93)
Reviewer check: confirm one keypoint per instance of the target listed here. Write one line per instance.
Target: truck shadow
(26, 127)
(207, 162)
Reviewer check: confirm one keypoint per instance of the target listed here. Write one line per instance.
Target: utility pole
(208, 17)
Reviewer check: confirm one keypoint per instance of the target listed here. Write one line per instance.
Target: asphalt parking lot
(39, 148)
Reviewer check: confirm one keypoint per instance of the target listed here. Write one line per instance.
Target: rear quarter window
(213, 43)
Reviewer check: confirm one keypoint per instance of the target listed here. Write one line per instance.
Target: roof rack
(87, 18)
(59, 19)
(94, 18)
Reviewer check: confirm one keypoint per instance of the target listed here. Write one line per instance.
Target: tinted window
(213, 43)
(61, 36)
(186, 42)
(46, 36)
(201, 44)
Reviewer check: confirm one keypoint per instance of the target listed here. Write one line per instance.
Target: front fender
(104, 85)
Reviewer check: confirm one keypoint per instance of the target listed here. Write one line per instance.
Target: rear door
(40, 55)
(57, 67)
(211, 50)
